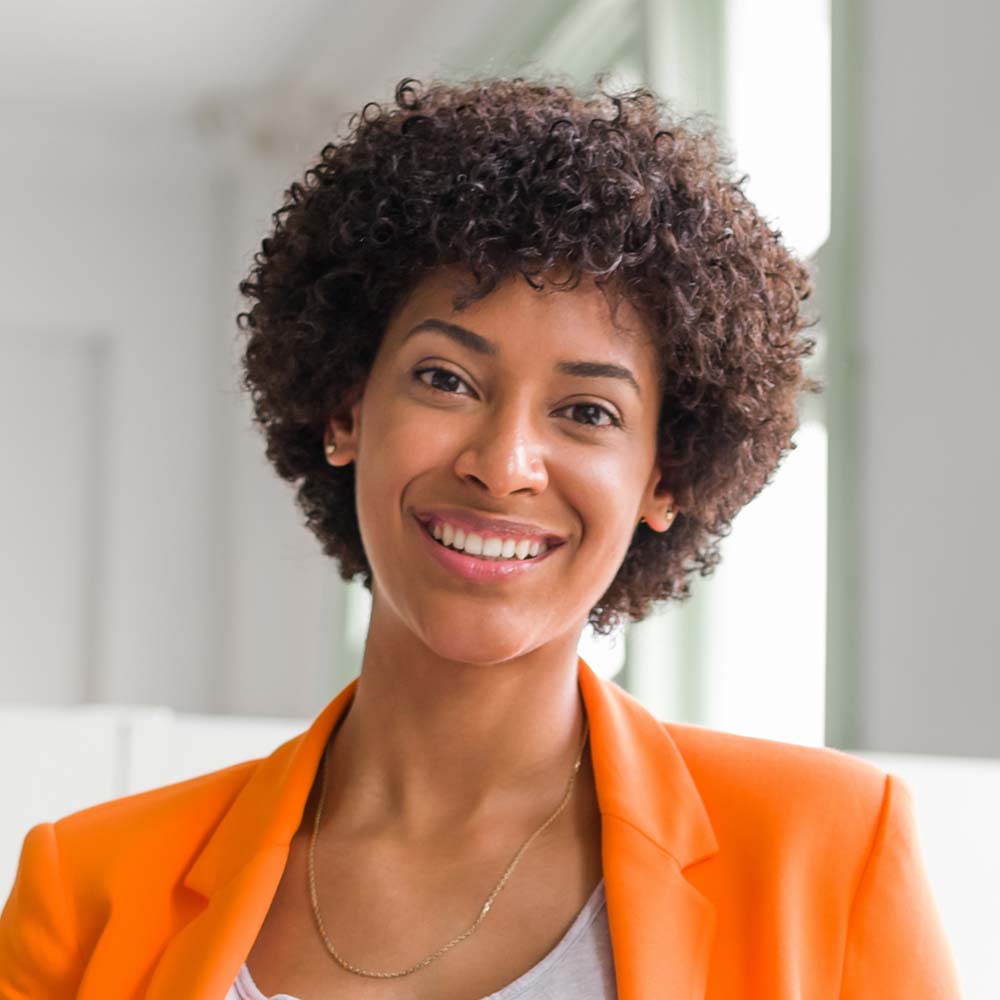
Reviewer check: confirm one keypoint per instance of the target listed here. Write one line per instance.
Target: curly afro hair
(518, 177)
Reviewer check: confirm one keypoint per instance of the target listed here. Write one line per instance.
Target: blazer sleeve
(39, 958)
(896, 945)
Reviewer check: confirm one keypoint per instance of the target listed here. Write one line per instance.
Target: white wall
(108, 236)
(160, 559)
(930, 215)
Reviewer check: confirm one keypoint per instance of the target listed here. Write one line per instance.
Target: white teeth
(490, 547)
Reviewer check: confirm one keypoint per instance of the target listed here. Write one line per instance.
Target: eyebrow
(480, 345)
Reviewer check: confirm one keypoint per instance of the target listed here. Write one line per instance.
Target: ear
(657, 507)
(343, 428)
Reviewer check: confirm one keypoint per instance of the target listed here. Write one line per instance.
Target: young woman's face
(529, 408)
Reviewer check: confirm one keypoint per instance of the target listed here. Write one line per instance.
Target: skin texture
(466, 718)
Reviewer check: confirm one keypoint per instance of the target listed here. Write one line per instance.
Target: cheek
(602, 489)
(399, 445)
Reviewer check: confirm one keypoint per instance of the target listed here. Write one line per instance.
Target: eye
(592, 415)
(441, 380)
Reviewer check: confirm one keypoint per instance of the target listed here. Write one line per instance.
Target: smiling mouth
(474, 546)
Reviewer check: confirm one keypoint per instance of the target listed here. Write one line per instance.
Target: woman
(526, 355)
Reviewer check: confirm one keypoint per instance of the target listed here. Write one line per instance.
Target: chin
(475, 643)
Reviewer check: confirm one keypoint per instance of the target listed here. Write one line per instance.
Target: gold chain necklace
(482, 913)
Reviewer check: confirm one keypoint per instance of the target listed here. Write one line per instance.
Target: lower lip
(481, 570)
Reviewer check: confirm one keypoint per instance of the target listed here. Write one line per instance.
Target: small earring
(331, 448)
(668, 514)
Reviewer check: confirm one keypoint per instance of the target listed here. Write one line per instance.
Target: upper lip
(485, 524)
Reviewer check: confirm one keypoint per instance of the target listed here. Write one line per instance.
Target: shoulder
(70, 872)
(728, 757)
(782, 793)
(114, 839)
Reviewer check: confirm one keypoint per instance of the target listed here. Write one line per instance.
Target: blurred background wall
(150, 555)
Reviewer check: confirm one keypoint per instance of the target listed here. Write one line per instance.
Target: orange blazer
(734, 868)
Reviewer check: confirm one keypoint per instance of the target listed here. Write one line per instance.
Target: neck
(430, 743)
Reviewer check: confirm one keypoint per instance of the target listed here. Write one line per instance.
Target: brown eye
(441, 380)
(592, 414)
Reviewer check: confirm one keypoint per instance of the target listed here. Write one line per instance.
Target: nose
(504, 452)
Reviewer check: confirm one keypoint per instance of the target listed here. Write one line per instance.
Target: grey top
(580, 966)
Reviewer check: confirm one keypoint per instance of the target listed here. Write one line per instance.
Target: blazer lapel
(653, 826)
(240, 868)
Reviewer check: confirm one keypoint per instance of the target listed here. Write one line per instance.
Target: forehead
(526, 322)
